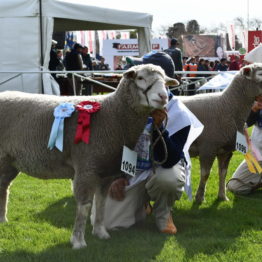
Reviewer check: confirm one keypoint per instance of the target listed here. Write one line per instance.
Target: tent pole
(41, 43)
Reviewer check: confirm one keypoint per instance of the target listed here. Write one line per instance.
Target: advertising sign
(254, 39)
(203, 45)
(114, 51)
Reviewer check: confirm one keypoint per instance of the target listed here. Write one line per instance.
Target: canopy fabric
(255, 55)
(219, 82)
(22, 40)
(81, 15)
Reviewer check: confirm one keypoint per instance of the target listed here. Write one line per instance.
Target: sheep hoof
(77, 244)
(199, 199)
(223, 198)
(100, 232)
(3, 219)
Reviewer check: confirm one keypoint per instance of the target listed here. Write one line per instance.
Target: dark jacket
(254, 117)
(54, 61)
(176, 55)
(87, 61)
(73, 61)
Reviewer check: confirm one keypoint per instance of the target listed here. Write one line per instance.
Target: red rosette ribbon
(85, 109)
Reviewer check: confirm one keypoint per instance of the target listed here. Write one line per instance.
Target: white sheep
(223, 114)
(26, 121)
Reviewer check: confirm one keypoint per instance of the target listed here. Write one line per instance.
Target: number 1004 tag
(128, 168)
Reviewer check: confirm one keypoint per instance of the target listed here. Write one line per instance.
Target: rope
(153, 144)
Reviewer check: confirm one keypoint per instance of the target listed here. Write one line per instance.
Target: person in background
(74, 62)
(60, 66)
(211, 65)
(94, 65)
(191, 66)
(87, 62)
(200, 66)
(243, 181)
(176, 54)
(235, 64)
(102, 65)
(222, 66)
(207, 67)
(216, 65)
(73, 59)
(54, 60)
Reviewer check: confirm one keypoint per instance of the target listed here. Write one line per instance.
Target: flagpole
(41, 43)
(247, 15)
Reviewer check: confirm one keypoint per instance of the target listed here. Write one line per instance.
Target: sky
(208, 13)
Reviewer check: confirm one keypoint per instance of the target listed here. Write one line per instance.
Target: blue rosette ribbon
(57, 132)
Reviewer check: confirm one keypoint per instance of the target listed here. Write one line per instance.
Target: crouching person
(243, 181)
(128, 198)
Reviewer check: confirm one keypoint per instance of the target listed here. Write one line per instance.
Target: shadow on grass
(216, 228)
(60, 214)
(139, 243)
(206, 229)
(120, 248)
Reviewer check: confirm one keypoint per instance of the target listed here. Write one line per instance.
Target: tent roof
(73, 16)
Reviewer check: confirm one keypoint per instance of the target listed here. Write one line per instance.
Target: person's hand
(256, 106)
(117, 189)
(158, 116)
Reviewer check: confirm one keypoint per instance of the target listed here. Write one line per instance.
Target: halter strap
(147, 89)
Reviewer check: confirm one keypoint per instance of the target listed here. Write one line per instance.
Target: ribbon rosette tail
(57, 132)
(85, 109)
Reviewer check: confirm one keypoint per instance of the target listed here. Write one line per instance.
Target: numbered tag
(241, 143)
(128, 164)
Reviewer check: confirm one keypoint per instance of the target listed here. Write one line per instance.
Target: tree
(239, 22)
(193, 27)
(255, 23)
(163, 29)
(133, 34)
(176, 30)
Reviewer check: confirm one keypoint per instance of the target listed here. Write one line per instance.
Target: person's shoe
(170, 226)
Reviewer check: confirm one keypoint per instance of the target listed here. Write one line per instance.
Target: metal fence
(182, 89)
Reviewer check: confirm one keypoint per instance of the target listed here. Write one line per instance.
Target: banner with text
(115, 51)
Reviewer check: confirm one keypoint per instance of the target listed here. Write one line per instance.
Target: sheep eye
(140, 78)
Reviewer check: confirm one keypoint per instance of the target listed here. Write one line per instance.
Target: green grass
(41, 215)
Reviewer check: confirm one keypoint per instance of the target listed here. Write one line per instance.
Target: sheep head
(151, 81)
(253, 72)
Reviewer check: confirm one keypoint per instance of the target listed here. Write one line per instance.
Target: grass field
(41, 215)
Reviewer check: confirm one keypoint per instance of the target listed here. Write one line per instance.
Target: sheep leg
(205, 166)
(84, 193)
(7, 174)
(100, 197)
(223, 162)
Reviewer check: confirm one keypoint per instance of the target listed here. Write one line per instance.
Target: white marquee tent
(27, 26)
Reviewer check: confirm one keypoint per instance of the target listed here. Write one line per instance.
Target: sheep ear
(171, 81)
(130, 73)
(246, 71)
